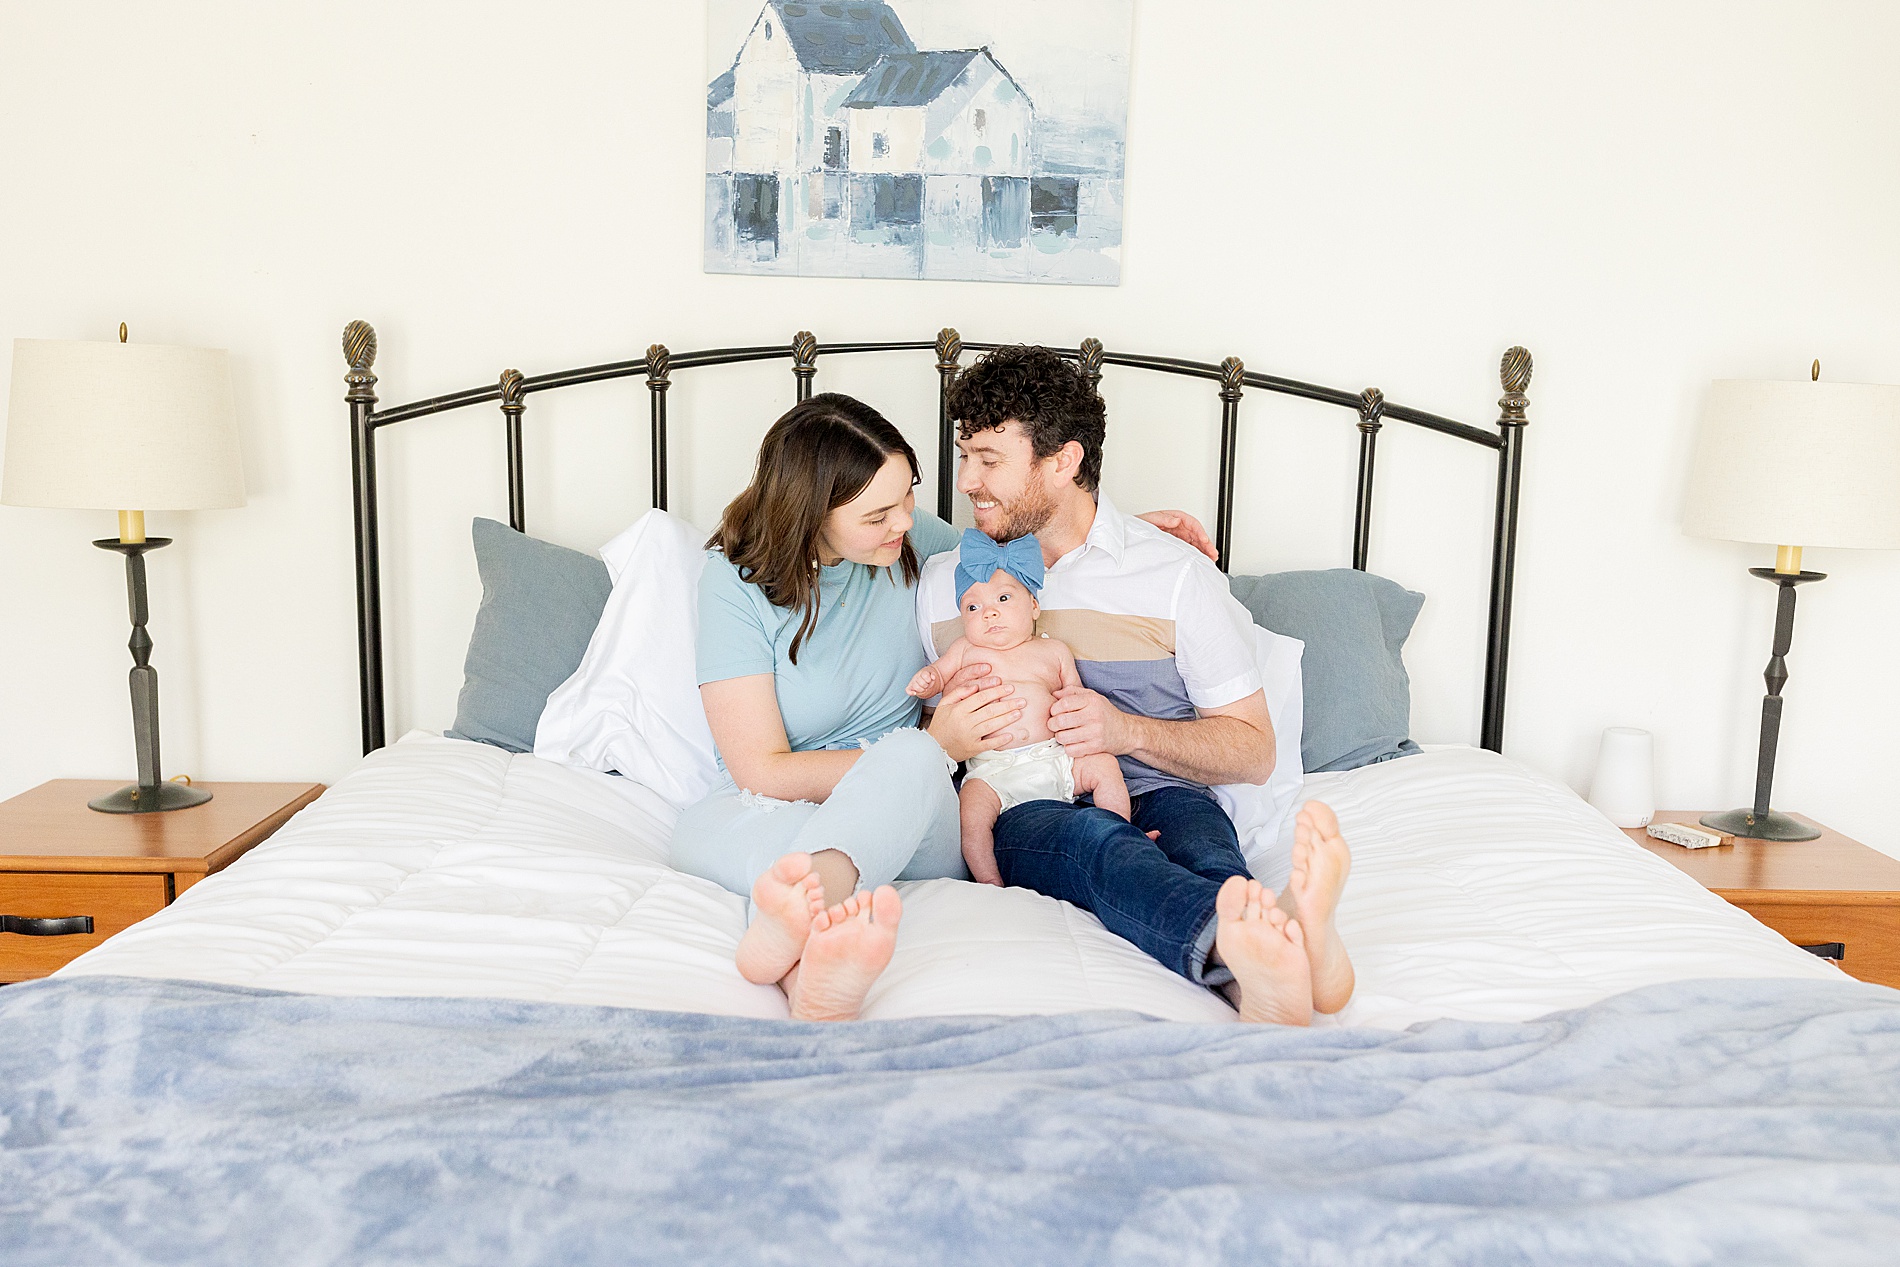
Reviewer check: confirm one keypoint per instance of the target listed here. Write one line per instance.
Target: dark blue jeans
(1159, 894)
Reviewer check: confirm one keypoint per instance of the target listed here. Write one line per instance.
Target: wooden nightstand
(1831, 891)
(62, 861)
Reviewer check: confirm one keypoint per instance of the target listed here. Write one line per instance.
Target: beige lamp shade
(1798, 464)
(120, 426)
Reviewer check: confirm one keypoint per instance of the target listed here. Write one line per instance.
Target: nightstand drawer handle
(46, 927)
(1828, 950)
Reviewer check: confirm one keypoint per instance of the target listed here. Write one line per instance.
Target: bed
(461, 1010)
(446, 868)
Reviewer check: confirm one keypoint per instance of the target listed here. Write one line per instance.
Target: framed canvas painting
(975, 140)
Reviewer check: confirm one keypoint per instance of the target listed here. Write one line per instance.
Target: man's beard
(1028, 514)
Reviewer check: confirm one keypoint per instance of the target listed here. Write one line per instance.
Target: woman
(807, 639)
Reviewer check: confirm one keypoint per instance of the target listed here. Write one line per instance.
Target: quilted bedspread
(148, 1121)
(1480, 891)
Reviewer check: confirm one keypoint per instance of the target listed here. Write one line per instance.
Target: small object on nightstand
(70, 878)
(1624, 786)
(1687, 836)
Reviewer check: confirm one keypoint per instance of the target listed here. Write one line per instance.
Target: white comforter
(1480, 890)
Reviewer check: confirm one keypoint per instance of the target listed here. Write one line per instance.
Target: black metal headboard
(659, 365)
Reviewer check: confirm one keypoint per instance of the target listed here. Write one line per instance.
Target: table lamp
(106, 426)
(1793, 464)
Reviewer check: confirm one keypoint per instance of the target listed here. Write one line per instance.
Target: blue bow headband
(979, 558)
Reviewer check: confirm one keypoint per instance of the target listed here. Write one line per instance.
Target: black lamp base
(133, 799)
(1749, 825)
(1758, 822)
(150, 795)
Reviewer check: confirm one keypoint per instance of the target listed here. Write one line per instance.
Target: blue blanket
(1701, 1122)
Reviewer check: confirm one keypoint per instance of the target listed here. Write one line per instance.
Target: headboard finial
(1371, 409)
(659, 365)
(1514, 371)
(1231, 371)
(804, 350)
(359, 349)
(511, 383)
(359, 344)
(1090, 361)
(949, 349)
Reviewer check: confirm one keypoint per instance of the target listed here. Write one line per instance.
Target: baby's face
(1000, 613)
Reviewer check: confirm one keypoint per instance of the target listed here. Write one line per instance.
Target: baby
(997, 588)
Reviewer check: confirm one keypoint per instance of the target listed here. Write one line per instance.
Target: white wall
(1647, 196)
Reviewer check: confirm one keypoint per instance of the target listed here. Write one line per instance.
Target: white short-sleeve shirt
(1150, 620)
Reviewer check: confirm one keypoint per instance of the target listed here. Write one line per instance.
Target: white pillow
(632, 707)
(1260, 810)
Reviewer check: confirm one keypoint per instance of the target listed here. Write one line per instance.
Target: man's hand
(1085, 722)
(1180, 524)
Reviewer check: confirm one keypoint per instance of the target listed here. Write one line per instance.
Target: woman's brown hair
(820, 455)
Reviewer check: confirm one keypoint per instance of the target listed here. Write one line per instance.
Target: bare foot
(1261, 945)
(1320, 863)
(849, 945)
(788, 896)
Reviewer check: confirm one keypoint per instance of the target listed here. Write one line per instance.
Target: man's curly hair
(1038, 389)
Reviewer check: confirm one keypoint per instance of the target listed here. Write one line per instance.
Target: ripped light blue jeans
(894, 814)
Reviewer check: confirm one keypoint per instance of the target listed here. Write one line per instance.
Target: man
(1170, 687)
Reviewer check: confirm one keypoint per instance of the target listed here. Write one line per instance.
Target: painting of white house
(976, 140)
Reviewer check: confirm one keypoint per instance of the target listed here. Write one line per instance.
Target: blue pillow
(1357, 697)
(540, 603)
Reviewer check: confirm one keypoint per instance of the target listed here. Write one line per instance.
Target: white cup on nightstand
(1625, 784)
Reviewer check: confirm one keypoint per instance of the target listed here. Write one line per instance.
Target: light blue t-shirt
(848, 684)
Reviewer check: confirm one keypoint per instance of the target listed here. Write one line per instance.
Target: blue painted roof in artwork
(915, 79)
(910, 79)
(720, 92)
(843, 38)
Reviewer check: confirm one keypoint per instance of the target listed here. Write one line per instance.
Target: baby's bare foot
(1321, 862)
(787, 897)
(849, 946)
(982, 865)
(1262, 947)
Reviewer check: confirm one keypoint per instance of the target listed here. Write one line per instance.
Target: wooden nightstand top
(1833, 870)
(51, 829)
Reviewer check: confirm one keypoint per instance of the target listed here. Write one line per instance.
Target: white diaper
(1033, 772)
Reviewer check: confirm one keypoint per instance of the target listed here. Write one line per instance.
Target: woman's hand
(975, 714)
(1178, 523)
